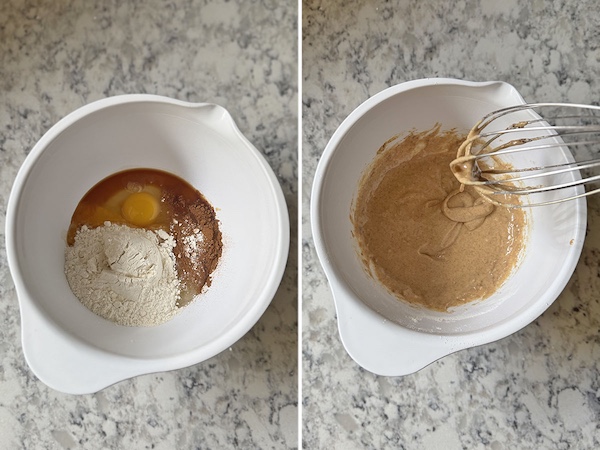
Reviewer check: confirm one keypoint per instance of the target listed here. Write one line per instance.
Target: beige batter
(426, 241)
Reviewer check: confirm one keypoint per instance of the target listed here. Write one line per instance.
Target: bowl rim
(350, 308)
(32, 315)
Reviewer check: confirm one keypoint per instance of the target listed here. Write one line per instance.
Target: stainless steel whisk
(532, 154)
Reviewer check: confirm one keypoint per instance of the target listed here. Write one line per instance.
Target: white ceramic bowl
(67, 346)
(390, 337)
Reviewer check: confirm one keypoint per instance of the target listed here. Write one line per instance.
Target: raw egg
(140, 209)
(133, 197)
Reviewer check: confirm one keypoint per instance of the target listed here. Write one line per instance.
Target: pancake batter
(429, 243)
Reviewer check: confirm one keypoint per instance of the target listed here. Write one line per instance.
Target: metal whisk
(532, 154)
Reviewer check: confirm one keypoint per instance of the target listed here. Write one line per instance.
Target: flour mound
(126, 275)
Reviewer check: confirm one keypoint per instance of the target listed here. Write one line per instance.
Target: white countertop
(58, 56)
(539, 388)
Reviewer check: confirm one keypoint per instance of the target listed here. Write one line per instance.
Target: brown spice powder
(198, 243)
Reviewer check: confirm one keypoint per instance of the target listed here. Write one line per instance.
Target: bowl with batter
(143, 234)
(418, 267)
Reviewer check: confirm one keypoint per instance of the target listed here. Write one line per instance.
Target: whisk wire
(555, 140)
(536, 190)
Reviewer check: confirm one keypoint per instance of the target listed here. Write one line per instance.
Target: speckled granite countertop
(539, 388)
(58, 56)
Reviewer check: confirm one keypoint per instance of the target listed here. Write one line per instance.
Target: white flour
(126, 275)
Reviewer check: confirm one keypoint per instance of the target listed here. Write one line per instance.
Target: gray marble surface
(539, 388)
(57, 56)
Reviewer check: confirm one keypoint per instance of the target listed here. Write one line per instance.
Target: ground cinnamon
(198, 243)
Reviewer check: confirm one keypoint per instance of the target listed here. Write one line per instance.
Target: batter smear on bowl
(142, 244)
(429, 241)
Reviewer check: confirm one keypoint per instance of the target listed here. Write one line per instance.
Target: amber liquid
(103, 201)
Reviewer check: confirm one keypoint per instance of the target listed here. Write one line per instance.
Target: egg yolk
(140, 208)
